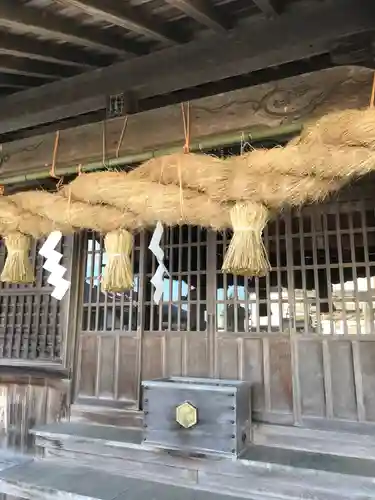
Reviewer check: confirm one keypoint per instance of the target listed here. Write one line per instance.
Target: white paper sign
(53, 266)
(158, 278)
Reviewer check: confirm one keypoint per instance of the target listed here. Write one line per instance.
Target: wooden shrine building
(90, 85)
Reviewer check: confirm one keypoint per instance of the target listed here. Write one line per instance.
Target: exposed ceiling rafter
(269, 7)
(31, 47)
(203, 12)
(20, 81)
(24, 66)
(37, 21)
(298, 34)
(119, 14)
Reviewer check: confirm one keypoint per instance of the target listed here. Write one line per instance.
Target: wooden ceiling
(45, 40)
(201, 41)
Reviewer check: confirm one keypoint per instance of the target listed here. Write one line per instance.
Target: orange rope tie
(52, 172)
(186, 124)
(120, 141)
(372, 99)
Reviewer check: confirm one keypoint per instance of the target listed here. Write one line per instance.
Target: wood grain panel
(127, 376)
(107, 363)
(311, 376)
(367, 358)
(196, 352)
(173, 361)
(88, 365)
(227, 362)
(252, 370)
(152, 357)
(281, 376)
(343, 389)
(309, 96)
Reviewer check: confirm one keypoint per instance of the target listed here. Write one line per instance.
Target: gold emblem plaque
(186, 415)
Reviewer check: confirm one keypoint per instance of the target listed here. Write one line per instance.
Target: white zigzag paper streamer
(52, 264)
(158, 278)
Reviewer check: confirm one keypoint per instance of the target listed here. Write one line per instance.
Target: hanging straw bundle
(18, 225)
(246, 254)
(189, 170)
(17, 267)
(100, 218)
(150, 200)
(353, 127)
(117, 275)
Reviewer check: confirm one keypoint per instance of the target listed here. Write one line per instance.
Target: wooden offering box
(197, 416)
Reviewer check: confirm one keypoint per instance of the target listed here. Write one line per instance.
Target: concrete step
(271, 471)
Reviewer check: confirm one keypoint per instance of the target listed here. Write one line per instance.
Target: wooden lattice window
(31, 321)
(184, 303)
(322, 279)
(103, 311)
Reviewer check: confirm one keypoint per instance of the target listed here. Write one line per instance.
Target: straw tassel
(246, 254)
(17, 267)
(118, 275)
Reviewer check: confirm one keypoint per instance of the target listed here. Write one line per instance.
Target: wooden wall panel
(280, 376)
(26, 404)
(311, 374)
(174, 355)
(367, 358)
(252, 370)
(152, 356)
(88, 365)
(128, 366)
(228, 358)
(107, 366)
(196, 352)
(343, 388)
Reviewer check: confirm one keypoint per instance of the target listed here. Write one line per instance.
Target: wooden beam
(19, 81)
(24, 66)
(119, 14)
(298, 34)
(203, 12)
(40, 21)
(31, 47)
(268, 7)
(268, 106)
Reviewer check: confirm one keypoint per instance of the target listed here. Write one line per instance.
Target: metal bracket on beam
(121, 104)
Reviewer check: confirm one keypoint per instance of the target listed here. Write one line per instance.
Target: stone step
(51, 479)
(273, 471)
(344, 443)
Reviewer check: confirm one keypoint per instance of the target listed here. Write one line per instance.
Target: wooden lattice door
(109, 331)
(304, 334)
